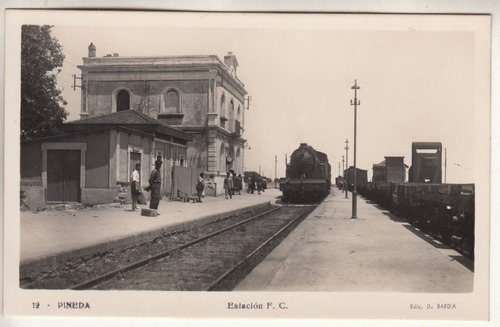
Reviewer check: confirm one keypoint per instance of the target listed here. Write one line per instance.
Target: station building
(200, 95)
(188, 111)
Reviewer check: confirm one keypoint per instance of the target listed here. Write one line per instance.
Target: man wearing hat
(155, 185)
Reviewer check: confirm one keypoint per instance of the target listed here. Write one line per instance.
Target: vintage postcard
(247, 165)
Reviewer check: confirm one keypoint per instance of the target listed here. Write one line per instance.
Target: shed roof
(131, 119)
(381, 164)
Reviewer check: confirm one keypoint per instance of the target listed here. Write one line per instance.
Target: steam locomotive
(308, 176)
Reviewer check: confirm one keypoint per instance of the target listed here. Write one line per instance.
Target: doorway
(63, 175)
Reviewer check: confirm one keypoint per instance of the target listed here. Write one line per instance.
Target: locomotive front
(307, 176)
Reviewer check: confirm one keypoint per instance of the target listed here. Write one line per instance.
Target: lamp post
(355, 103)
(343, 173)
(346, 171)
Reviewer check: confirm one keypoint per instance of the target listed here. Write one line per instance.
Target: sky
(417, 84)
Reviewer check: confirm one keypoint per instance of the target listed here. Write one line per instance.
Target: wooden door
(135, 158)
(63, 175)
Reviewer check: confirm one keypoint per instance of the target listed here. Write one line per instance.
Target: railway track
(212, 262)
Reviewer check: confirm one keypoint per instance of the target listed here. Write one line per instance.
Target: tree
(42, 106)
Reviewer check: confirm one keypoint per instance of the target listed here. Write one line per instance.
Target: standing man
(200, 186)
(155, 185)
(251, 185)
(135, 189)
(228, 185)
(239, 183)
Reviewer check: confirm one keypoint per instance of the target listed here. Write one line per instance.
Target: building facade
(200, 95)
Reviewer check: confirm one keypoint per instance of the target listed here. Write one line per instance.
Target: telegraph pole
(445, 159)
(248, 100)
(343, 171)
(346, 168)
(275, 169)
(355, 103)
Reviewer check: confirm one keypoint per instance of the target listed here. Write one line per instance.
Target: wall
(31, 161)
(122, 165)
(197, 152)
(194, 97)
(97, 160)
(98, 196)
(229, 95)
(33, 195)
(378, 174)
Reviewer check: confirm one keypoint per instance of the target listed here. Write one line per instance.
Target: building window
(172, 102)
(122, 101)
(231, 116)
(223, 117)
(223, 106)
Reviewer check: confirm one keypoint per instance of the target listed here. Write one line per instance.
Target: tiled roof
(122, 118)
(132, 119)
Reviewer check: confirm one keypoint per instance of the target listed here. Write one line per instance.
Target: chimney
(231, 63)
(92, 50)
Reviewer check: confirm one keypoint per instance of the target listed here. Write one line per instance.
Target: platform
(377, 252)
(51, 233)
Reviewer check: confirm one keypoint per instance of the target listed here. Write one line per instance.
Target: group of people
(154, 186)
(257, 182)
(233, 184)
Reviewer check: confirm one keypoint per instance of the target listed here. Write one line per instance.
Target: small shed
(91, 161)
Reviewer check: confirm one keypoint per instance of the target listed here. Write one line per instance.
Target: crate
(148, 212)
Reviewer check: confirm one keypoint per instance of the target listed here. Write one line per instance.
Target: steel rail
(219, 280)
(111, 274)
